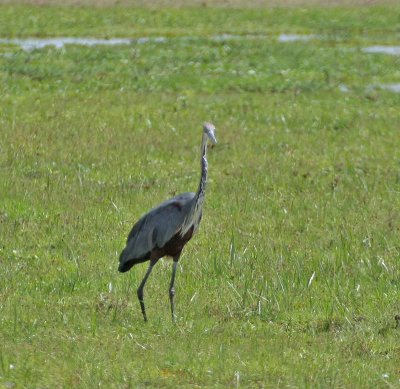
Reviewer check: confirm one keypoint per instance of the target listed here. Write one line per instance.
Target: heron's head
(209, 129)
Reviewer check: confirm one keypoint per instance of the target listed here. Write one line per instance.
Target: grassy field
(206, 3)
(293, 279)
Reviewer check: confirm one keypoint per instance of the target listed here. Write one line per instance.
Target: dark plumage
(157, 232)
(166, 229)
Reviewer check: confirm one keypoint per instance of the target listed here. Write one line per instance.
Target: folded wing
(156, 228)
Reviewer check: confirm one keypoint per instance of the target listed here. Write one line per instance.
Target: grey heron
(166, 229)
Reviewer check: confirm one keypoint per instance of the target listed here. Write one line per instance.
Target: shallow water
(29, 44)
(295, 38)
(391, 50)
(395, 87)
(231, 37)
(225, 37)
(38, 43)
(389, 87)
(343, 88)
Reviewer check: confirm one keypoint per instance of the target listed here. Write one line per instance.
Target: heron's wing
(171, 217)
(157, 227)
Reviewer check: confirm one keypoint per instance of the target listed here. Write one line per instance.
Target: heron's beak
(213, 138)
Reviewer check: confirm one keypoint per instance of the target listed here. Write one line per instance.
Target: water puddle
(158, 39)
(39, 43)
(231, 37)
(29, 44)
(225, 37)
(281, 37)
(389, 87)
(295, 38)
(394, 87)
(391, 50)
(344, 88)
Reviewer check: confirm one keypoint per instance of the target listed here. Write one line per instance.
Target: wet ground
(391, 50)
(59, 42)
(29, 44)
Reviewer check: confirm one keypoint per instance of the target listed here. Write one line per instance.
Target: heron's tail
(124, 262)
(123, 267)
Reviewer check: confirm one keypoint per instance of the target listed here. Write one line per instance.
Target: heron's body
(166, 229)
(148, 239)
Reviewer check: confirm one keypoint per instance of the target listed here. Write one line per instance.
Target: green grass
(305, 180)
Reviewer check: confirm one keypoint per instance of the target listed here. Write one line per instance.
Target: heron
(165, 229)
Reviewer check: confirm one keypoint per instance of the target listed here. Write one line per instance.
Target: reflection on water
(391, 50)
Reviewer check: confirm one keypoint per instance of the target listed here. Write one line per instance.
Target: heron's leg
(172, 288)
(141, 287)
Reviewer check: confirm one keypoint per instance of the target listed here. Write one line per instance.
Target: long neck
(194, 216)
(204, 165)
